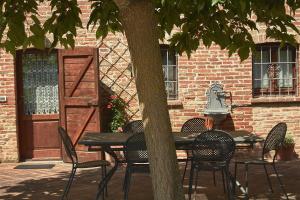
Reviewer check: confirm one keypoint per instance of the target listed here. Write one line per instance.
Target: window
(274, 70)
(40, 82)
(169, 60)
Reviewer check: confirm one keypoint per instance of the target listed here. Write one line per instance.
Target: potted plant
(286, 152)
(119, 117)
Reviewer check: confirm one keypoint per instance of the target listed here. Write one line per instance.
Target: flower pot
(286, 152)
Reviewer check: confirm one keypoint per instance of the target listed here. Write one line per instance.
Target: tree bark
(140, 25)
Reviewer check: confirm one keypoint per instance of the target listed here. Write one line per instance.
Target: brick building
(257, 103)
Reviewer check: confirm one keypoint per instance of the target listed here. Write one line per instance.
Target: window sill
(175, 104)
(281, 99)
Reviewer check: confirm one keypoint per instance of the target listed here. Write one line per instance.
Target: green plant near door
(119, 116)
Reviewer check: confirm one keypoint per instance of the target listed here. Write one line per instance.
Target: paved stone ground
(48, 184)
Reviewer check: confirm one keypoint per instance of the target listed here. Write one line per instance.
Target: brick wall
(266, 115)
(194, 77)
(205, 67)
(8, 136)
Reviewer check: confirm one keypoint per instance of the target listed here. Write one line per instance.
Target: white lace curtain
(285, 61)
(40, 83)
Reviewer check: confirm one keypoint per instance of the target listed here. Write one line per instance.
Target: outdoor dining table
(111, 142)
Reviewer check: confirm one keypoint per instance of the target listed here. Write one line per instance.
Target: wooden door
(38, 104)
(79, 95)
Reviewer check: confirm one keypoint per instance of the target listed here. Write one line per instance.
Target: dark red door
(38, 104)
(79, 95)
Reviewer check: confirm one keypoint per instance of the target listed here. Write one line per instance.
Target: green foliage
(20, 22)
(105, 14)
(288, 140)
(64, 22)
(119, 116)
(227, 23)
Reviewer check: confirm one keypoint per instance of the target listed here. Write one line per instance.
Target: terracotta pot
(209, 122)
(286, 153)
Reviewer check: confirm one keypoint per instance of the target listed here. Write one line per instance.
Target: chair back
(69, 147)
(275, 138)
(134, 127)
(213, 145)
(136, 149)
(194, 125)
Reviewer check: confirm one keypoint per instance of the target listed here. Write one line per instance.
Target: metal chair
(192, 126)
(71, 153)
(212, 149)
(136, 157)
(134, 127)
(273, 141)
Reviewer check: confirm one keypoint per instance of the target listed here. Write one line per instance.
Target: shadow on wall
(116, 78)
(228, 123)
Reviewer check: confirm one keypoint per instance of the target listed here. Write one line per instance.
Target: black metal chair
(71, 153)
(134, 127)
(136, 157)
(273, 142)
(212, 150)
(192, 126)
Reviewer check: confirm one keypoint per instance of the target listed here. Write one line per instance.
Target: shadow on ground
(48, 184)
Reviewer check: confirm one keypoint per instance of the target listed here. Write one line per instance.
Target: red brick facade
(194, 77)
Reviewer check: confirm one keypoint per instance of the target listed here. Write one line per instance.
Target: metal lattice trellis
(116, 75)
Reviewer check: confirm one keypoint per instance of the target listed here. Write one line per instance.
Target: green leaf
(214, 2)
(206, 40)
(37, 30)
(38, 42)
(201, 5)
(10, 47)
(26, 43)
(101, 32)
(243, 52)
(16, 33)
(70, 40)
(35, 19)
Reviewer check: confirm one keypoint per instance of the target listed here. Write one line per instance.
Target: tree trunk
(140, 25)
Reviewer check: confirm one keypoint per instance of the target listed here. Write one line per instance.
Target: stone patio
(48, 184)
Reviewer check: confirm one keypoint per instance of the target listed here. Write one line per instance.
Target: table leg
(110, 173)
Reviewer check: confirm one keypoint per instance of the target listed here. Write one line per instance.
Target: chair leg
(105, 173)
(235, 175)
(268, 178)
(127, 185)
(246, 181)
(102, 192)
(196, 183)
(185, 167)
(191, 181)
(223, 180)
(229, 183)
(279, 180)
(67, 189)
(214, 177)
(125, 178)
